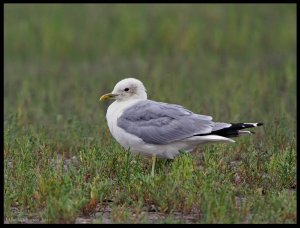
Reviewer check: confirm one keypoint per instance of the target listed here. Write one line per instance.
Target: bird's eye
(126, 89)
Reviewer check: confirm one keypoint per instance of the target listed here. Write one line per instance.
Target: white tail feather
(254, 124)
(244, 132)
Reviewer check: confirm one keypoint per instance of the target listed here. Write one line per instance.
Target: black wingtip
(260, 124)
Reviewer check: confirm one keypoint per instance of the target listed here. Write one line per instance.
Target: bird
(161, 130)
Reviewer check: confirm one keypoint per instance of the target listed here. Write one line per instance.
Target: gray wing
(161, 123)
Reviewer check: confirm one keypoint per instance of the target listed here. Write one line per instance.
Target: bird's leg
(153, 164)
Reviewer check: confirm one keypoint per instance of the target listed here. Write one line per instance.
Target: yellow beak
(107, 96)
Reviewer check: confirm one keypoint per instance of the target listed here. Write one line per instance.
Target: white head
(128, 88)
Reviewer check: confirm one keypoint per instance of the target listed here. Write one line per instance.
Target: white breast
(114, 111)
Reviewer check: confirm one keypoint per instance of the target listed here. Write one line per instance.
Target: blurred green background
(231, 61)
(235, 62)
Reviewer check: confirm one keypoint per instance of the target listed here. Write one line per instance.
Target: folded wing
(162, 123)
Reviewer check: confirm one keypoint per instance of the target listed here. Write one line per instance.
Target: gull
(158, 129)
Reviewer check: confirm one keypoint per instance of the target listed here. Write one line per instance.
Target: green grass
(234, 62)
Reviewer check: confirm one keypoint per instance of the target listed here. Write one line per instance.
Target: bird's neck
(142, 96)
(134, 97)
(118, 106)
(130, 100)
